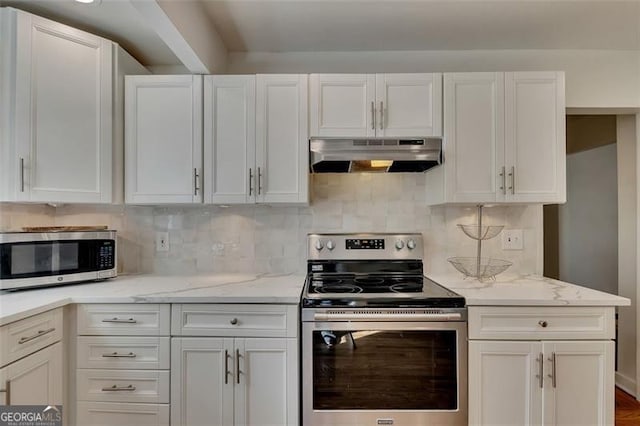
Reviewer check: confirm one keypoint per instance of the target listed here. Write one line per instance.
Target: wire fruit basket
(489, 267)
(479, 267)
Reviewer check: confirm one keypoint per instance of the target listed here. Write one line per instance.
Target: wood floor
(627, 409)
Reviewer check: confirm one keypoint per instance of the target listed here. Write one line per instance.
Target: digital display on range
(365, 244)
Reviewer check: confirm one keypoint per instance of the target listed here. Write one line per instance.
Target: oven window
(384, 370)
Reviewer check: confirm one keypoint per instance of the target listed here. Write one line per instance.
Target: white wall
(627, 268)
(594, 78)
(588, 222)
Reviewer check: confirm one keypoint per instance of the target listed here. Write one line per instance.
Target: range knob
(411, 244)
(399, 244)
(319, 246)
(331, 245)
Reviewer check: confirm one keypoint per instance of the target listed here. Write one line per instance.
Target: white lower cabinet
(541, 382)
(34, 380)
(234, 381)
(122, 365)
(224, 380)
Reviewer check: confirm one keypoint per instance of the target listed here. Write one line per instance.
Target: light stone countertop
(525, 290)
(506, 290)
(214, 288)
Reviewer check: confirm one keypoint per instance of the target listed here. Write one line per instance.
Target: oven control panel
(365, 246)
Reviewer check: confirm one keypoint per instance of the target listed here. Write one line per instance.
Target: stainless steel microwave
(34, 259)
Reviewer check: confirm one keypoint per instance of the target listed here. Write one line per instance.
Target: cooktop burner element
(371, 270)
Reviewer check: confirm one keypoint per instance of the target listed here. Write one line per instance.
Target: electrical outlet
(512, 239)
(162, 241)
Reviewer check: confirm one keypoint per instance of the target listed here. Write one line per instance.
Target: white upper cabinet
(342, 105)
(56, 92)
(409, 105)
(163, 139)
(376, 105)
(282, 139)
(229, 134)
(504, 139)
(256, 139)
(535, 155)
(474, 129)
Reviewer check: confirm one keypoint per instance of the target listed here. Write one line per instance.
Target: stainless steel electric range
(381, 344)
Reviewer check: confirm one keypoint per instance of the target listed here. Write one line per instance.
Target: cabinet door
(474, 135)
(535, 155)
(267, 390)
(342, 105)
(163, 139)
(229, 134)
(282, 139)
(202, 381)
(504, 386)
(63, 113)
(409, 105)
(34, 380)
(583, 390)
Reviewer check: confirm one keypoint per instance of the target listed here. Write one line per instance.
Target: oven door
(384, 373)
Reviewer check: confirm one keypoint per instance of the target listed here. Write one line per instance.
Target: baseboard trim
(626, 384)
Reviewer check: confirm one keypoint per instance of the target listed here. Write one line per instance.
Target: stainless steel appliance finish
(374, 155)
(381, 344)
(35, 259)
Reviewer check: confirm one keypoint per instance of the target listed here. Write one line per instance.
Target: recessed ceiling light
(85, 1)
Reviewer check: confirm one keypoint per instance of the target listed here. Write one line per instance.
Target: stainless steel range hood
(374, 155)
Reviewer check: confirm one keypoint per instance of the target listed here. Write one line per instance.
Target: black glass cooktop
(376, 290)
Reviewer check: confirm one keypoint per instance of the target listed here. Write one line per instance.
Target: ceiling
(351, 25)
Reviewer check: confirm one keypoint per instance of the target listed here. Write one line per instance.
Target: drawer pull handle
(234, 321)
(118, 320)
(35, 336)
(7, 391)
(543, 324)
(117, 355)
(116, 388)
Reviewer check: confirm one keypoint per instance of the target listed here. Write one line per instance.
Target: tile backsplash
(263, 238)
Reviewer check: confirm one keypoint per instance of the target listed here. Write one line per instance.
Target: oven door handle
(386, 317)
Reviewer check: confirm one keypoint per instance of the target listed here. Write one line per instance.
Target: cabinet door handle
(540, 375)
(196, 180)
(552, 359)
(226, 367)
(259, 181)
(117, 355)
(121, 321)
(373, 115)
(512, 175)
(22, 175)
(504, 180)
(543, 323)
(35, 336)
(250, 181)
(116, 388)
(381, 115)
(233, 321)
(238, 366)
(7, 392)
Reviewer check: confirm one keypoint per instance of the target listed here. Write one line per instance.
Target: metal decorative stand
(479, 267)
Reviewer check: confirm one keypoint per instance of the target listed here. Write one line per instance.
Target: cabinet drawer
(114, 414)
(137, 353)
(234, 320)
(123, 386)
(532, 323)
(21, 338)
(124, 319)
